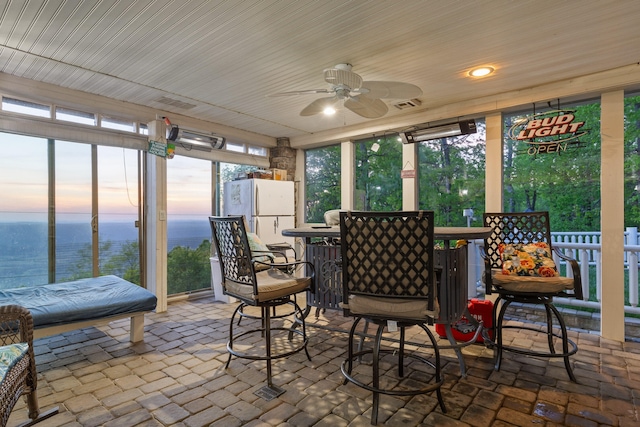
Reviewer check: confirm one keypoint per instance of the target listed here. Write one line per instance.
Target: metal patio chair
(519, 268)
(388, 279)
(267, 288)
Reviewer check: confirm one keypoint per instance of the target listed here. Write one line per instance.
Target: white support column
(494, 164)
(348, 176)
(494, 160)
(156, 219)
(410, 198)
(612, 215)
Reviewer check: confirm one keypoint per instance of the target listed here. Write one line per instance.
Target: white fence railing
(585, 247)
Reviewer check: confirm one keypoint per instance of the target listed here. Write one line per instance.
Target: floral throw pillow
(531, 259)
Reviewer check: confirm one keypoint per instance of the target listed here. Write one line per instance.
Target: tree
(451, 176)
(322, 182)
(378, 183)
(189, 269)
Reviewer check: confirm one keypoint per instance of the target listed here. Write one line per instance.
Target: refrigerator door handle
(256, 200)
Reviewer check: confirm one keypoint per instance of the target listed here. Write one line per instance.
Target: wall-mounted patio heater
(465, 127)
(198, 140)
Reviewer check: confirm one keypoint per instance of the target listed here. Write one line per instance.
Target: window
(378, 182)
(23, 216)
(322, 182)
(566, 182)
(73, 205)
(238, 148)
(189, 233)
(451, 178)
(117, 124)
(79, 117)
(26, 107)
(118, 213)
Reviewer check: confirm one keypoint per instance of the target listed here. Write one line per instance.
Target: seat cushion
(272, 284)
(531, 284)
(393, 308)
(10, 355)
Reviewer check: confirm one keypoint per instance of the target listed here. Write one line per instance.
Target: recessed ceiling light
(481, 71)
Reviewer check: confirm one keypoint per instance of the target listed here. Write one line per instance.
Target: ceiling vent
(408, 104)
(175, 103)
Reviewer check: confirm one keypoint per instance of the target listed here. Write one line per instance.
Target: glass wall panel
(451, 178)
(73, 211)
(632, 196)
(23, 211)
(118, 212)
(564, 180)
(322, 182)
(189, 234)
(26, 107)
(378, 182)
(74, 116)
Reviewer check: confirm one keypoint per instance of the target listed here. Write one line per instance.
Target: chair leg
(376, 375)
(230, 342)
(438, 369)
(35, 414)
(401, 354)
(565, 341)
(497, 353)
(547, 310)
(350, 347)
(266, 315)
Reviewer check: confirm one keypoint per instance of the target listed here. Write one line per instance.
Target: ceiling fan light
(329, 111)
(481, 71)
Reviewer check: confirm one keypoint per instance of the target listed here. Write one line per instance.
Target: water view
(23, 247)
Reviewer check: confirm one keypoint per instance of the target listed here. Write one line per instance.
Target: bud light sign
(549, 132)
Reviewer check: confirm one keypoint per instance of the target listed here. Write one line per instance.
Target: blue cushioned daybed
(61, 307)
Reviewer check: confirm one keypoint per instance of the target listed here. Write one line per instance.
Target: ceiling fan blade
(397, 90)
(366, 107)
(301, 92)
(318, 106)
(342, 77)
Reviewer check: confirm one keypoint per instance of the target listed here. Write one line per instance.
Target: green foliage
(451, 177)
(189, 269)
(566, 183)
(378, 181)
(322, 182)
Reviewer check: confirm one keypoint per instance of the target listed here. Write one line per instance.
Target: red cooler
(463, 330)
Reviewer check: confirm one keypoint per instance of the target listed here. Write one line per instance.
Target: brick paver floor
(177, 377)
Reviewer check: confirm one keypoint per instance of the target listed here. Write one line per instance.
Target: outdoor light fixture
(198, 140)
(441, 131)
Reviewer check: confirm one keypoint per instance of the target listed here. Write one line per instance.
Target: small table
(453, 292)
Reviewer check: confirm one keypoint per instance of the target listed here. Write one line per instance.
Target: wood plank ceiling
(218, 60)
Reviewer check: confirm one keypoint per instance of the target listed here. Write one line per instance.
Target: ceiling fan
(361, 97)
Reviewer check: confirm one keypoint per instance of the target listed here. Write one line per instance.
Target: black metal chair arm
(291, 267)
(487, 270)
(575, 269)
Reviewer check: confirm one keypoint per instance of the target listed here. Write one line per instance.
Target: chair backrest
(388, 254)
(511, 228)
(234, 253)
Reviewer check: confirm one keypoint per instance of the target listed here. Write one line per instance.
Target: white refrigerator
(268, 205)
